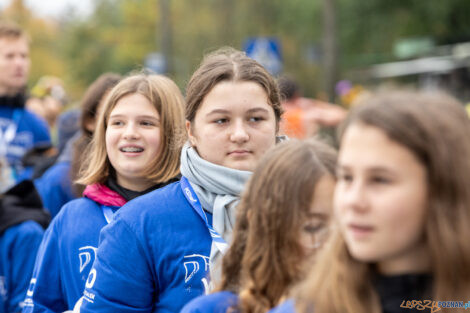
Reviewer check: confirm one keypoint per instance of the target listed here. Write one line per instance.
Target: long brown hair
(228, 64)
(94, 95)
(435, 128)
(163, 93)
(265, 256)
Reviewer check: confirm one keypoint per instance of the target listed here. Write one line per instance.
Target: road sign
(267, 51)
(156, 62)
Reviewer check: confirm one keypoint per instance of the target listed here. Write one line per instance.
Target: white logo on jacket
(193, 264)
(87, 256)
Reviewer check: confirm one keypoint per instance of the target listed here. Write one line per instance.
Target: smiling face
(380, 200)
(14, 64)
(133, 140)
(234, 125)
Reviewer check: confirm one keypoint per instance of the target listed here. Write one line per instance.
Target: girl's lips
(239, 152)
(131, 149)
(360, 231)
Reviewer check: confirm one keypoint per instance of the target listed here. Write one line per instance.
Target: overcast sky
(54, 8)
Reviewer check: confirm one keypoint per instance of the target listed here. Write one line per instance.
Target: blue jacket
(18, 247)
(217, 302)
(55, 185)
(55, 188)
(154, 256)
(67, 251)
(287, 306)
(31, 130)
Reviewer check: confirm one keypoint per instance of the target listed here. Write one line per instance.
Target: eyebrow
(138, 116)
(222, 111)
(374, 169)
(319, 215)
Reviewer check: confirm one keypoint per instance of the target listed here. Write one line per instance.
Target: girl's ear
(192, 139)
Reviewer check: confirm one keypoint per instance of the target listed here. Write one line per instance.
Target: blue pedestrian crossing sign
(156, 62)
(267, 51)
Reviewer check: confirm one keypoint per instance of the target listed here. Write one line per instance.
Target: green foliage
(120, 33)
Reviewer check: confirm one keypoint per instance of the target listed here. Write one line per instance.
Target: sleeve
(52, 187)
(121, 279)
(219, 302)
(45, 290)
(198, 305)
(23, 252)
(287, 306)
(41, 130)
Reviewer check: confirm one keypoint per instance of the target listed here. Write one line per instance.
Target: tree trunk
(166, 34)
(330, 49)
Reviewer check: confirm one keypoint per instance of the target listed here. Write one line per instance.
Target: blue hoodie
(18, 247)
(287, 306)
(55, 187)
(30, 131)
(22, 223)
(217, 302)
(68, 250)
(154, 256)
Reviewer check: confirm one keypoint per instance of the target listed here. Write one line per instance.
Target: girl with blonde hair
(402, 204)
(133, 151)
(282, 221)
(56, 186)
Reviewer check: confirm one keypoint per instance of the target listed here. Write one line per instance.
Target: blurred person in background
(20, 129)
(304, 117)
(39, 159)
(402, 203)
(57, 185)
(47, 98)
(283, 220)
(22, 224)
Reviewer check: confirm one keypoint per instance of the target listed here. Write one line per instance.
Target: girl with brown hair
(402, 205)
(282, 221)
(133, 151)
(159, 259)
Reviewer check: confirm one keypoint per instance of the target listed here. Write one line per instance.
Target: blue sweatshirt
(154, 256)
(67, 251)
(217, 302)
(30, 131)
(55, 188)
(287, 306)
(18, 247)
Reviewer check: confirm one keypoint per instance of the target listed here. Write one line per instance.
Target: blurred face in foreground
(380, 200)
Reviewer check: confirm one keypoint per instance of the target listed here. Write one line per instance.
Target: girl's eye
(221, 121)
(147, 123)
(117, 123)
(344, 177)
(313, 228)
(256, 119)
(380, 180)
